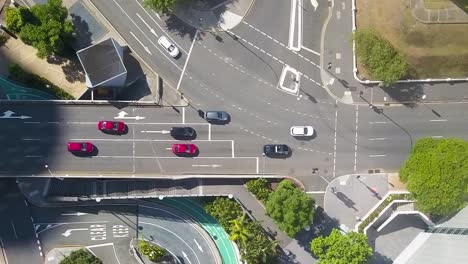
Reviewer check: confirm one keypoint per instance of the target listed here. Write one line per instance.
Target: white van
(168, 46)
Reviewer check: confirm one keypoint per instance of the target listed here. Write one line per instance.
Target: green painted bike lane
(208, 223)
(16, 92)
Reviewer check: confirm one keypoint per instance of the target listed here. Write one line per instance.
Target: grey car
(216, 116)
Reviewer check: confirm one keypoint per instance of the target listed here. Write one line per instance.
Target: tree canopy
(379, 57)
(338, 248)
(45, 26)
(254, 245)
(161, 6)
(81, 256)
(436, 173)
(291, 208)
(260, 188)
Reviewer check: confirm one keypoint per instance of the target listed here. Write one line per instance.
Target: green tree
(338, 248)
(46, 27)
(260, 188)
(161, 6)
(291, 208)
(153, 252)
(16, 18)
(224, 210)
(436, 173)
(379, 57)
(81, 256)
(259, 249)
(239, 232)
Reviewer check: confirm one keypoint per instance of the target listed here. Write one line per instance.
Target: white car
(168, 46)
(302, 131)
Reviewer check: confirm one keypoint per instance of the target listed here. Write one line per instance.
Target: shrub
(380, 58)
(33, 81)
(224, 210)
(81, 256)
(153, 252)
(260, 188)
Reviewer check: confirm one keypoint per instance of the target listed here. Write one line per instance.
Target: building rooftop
(101, 62)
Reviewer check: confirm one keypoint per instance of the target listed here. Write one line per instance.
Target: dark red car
(184, 149)
(80, 147)
(111, 126)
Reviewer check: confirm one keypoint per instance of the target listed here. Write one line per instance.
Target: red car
(82, 147)
(111, 126)
(184, 149)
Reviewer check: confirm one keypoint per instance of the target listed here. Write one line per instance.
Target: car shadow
(186, 155)
(95, 152)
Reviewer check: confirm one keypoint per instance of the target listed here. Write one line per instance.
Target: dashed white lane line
(438, 120)
(377, 156)
(377, 139)
(378, 122)
(334, 144)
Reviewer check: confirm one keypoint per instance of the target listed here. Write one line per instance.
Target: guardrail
(355, 70)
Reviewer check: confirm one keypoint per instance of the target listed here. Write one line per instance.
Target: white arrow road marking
(141, 43)
(9, 114)
(123, 115)
(68, 232)
(207, 165)
(77, 214)
(186, 257)
(150, 28)
(198, 245)
(314, 4)
(156, 131)
(168, 148)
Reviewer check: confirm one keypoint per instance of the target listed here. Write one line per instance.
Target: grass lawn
(432, 50)
(436, 4)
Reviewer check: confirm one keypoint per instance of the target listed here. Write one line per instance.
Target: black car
(183, 133)
(276, 150)
(216, 116)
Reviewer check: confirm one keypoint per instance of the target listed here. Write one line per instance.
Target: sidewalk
(349, 198)
(66, 74)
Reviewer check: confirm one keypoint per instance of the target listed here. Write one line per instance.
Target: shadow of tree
(82, 31)
(407, 94)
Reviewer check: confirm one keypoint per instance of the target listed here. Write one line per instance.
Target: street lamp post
(51, 174)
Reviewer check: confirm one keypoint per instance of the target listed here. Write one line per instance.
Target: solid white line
(209, 132)
(31, 122)
(183, 241)
(115, 254)
(311, 192)
(324, 179)
(157, 24)
(187, 60)
(145, 140)
(437, 136)
(377, 138)
(4, 251)
(32, 156)
(154, 157)
(100, 245)
(292, 24)
(30, 139)
(163, 53)
(258, 165)
(232, 148)
(376, 156)
(299, 23)
(14, 229)
(378, 122)
(309, 50)
(438, 120)
(53, 122)
(183, 115)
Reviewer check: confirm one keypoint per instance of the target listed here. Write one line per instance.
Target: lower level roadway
(107, 230)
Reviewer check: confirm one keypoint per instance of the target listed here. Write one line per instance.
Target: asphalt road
(241, 71)
(107, 230)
